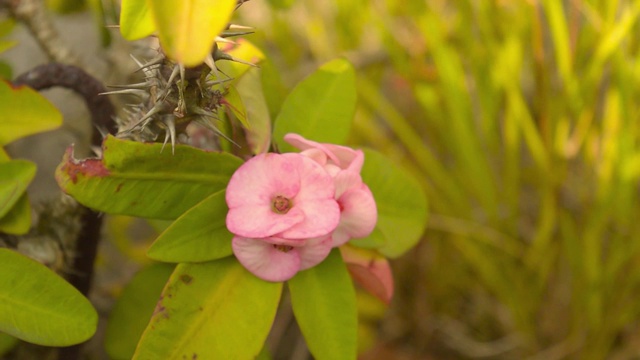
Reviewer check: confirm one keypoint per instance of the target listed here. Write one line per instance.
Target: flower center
(281, 204)
(283, 248)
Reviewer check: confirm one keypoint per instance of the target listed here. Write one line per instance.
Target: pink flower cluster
(287, 211)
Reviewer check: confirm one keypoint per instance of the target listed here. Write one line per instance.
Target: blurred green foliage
(521, 119)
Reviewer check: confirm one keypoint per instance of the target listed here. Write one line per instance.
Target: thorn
(227, 33)
(142, 85)
(219, 55)
(173, 75)
(225, 40)
(146, 118)
(240, 27)
(172, 134)
(211, 64)
(136, 92)
(203, 112)
(210, 83)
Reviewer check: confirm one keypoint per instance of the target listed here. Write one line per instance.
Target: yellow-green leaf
(18, 220)
(188, 28)
(136, 20)
(38, 306)
(24, 112)
(212, 310)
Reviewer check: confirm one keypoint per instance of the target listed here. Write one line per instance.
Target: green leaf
(188, 28)
(198, 235)
(24, 112)
(233, 102)
(18, 220)
(136, 20)
(321, 107)
(212, 310)
(259, 132)
(324, 304)
(40, 307)
(7, 342)
(243, 50)
(401, 202)
(134, 309)
(138, 179)
(15, 176)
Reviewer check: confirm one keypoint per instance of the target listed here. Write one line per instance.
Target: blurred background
(521, 120)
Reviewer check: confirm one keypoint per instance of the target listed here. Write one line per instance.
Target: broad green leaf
(38, 306)
(7, 342)
(138, 179)
(321, 107)
(188, 28)
(134, 309)
(24, 112)
(198, 235)
(212, 310)
(136, 20)
(259, 132)
(401, 202)
(324, 304)
(233, 102)
(15, 176)
(242, 50)
(18, 220)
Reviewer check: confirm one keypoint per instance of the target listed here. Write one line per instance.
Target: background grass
(520, 118)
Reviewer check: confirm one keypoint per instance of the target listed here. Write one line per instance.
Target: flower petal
(314, 252)
(264, 260)
(262, 177)
(316, 200)
(255, 221)
(342, 156)
(345, 180)
(358, 217)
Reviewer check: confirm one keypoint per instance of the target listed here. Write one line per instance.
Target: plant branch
(33, 15)
(102, 114)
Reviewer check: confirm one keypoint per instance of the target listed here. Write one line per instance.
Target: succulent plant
(173, 96)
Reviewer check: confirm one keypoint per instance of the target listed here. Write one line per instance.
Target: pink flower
(358, 211)
(287, 195)
(328, 155)
(278, 259)
(282, 212)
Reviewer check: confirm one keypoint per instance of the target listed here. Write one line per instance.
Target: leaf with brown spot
(140, 179)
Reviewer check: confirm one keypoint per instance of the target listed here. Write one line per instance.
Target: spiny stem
(102, 115)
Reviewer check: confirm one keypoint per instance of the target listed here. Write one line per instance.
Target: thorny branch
(102, 114)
